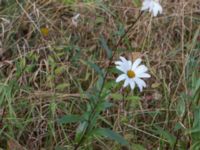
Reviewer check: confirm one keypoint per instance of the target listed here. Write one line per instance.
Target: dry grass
(45, 76)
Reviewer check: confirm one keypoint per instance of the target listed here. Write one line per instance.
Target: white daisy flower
(153, 6)
(132, 73)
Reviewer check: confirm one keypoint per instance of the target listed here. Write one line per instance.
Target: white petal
(126, 83)
(120, 68)
(126, 66)
(141, 69)
(118, 63)
(143, 75)
(123, 68)
(152, 6)
(132, 84)
(136, 63)
(144, 7)
(157, 8)
(123, 65)
(125, 62)
(123, 59)
(140, 83)
(155, 12)
(146, 4)
(121, 77)
(129, 64)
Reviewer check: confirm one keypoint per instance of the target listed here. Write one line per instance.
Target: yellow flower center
(44, 31)
(131, 73)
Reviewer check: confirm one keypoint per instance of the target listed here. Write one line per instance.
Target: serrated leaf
(104, 132)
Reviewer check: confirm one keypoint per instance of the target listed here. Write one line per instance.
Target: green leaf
(196, 95)
(195, 146)
(177, 126)
(99, 82)
(70, 119)
(116, 96)
(105, 46)
(80, 131)
(103, 106)
(181, 106)
(132, 98)
(165, 134)
(121, 30)
(195, 130)
(104, 132)
(99, 20)
(137, 147)
(134, 101)
(95, 67)
(62, 86)
(59, 70)
(197, 87)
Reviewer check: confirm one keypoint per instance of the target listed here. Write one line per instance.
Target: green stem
(104, 79)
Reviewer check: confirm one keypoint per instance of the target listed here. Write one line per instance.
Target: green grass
(53, 90)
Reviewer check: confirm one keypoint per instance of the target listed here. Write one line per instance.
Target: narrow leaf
(70, 119)
(105, 46)
(80, 131)
(95, 67)
(116, 96)
(103, 106)
(111, 135)
(165, 134)
(181, 106)
(195, 146)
